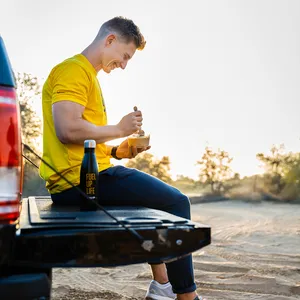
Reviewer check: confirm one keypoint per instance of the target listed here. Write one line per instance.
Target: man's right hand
(130, 123)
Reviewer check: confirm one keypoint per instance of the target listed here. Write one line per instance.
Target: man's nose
(123, 65)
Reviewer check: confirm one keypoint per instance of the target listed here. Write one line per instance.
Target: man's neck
(93, 56)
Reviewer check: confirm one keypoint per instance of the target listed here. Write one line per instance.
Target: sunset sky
(219, 73)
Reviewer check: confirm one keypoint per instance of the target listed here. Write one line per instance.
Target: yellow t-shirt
(75, 79)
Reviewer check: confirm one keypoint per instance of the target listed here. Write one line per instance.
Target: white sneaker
(157, 291)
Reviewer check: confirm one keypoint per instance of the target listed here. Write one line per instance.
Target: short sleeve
(70, 82)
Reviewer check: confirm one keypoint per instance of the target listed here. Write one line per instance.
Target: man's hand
(130, 123)
(124, 151)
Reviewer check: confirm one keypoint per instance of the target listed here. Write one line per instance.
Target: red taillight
(10, 156)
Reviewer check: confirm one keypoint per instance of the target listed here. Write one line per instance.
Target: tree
(28, 90)
(291, 190)
(275, 165)
(215, 168)
(147, 163)
(282, 171)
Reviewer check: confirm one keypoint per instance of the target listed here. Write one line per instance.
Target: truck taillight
(10, 156)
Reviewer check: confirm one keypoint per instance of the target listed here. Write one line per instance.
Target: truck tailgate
(54, 236)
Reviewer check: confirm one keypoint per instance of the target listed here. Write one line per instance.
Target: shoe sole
(157, 297)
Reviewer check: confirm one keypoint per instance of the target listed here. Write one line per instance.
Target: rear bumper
(7, 240)
(27, 286)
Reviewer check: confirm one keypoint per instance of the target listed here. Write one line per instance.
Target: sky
(214, 73)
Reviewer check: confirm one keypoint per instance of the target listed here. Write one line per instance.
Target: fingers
(137, 120)
(139, 150)
(133, 151)
(137, 117)
(130, 123)
(137, 113)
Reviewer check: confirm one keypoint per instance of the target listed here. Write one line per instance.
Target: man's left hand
(124, 151)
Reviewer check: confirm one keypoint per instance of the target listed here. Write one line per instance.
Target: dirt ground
(254, 254)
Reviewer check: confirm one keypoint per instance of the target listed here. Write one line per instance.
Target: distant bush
(282, 177)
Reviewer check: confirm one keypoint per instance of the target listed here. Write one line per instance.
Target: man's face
(117, 54)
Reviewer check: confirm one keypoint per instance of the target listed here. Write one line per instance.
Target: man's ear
(110, 39)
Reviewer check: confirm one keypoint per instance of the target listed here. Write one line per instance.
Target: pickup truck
(36, 236)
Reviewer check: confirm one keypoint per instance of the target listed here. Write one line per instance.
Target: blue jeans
(124, 186)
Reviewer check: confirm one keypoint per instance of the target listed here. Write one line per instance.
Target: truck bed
(61, 236)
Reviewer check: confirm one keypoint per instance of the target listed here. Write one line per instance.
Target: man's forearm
(82, 130)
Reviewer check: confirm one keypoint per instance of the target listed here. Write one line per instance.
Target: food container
(139, 141)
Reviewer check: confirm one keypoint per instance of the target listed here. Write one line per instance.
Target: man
(73, 111)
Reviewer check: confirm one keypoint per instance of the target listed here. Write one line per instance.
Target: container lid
(89, 144)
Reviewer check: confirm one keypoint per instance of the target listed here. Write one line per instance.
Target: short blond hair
(125, 29)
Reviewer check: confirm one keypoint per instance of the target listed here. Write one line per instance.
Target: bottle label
(90, 183)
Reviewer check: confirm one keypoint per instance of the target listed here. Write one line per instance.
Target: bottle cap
(89, 144)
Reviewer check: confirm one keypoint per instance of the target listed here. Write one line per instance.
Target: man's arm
(71, 128)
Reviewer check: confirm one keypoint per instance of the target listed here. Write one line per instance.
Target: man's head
(120, 38)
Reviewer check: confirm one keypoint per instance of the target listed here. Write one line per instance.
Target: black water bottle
(89, 177)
